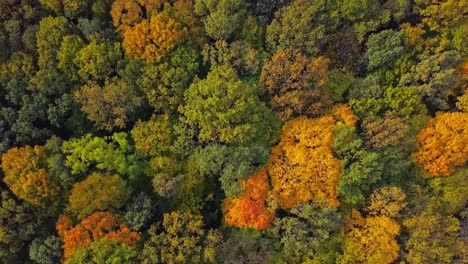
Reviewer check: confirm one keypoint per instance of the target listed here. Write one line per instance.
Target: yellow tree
(249, 210)
(302, 166)
(370, 240)
(153, 38)
(442, 145)
(26, 174)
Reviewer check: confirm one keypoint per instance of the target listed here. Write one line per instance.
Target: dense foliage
(233, 131)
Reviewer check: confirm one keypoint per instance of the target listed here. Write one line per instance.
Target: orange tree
(249, 210)
(441, 146)
(96, 226)
(302, 166)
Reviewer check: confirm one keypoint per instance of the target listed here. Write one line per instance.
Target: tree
(229, 164)
(26, 174)
(221, 17)
(164, 83)
(94, 227)
(249, 210)
(49, 38)
(447, 190)
(153, 137)
(370, 239)
(178, 241)
(293, 82)
(243, 246)
(153, 38)
(68, 51)
(98, 60)
(239, 54)
(405, 102)
(125, 13)
(382, 132)
(223, 109)
(441, 146)
(105, 251)
(46, 251)
(383, 48)
(140, 212)
(362, 171)
(113, 153)
(298, 26)
(302, 166)
(434, 237)
(309, 233)
(98, 192)
(18, 225)
(109, 106)
(387, 201)
(435, 78)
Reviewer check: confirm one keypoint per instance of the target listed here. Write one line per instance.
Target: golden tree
(442, 145)
(25, 173)
(153, 38)
(302, 166)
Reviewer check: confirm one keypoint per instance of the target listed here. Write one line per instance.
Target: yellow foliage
(370, 240)
(442, 145)
(302, 166)
(153, 38)
(26, 175)
(344, 115)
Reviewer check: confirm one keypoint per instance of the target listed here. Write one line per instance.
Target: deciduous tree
(109, 106)
(293, 83)
(442, 144)
(249, 210)
(98, 192)
(370, 239)
(302, 166)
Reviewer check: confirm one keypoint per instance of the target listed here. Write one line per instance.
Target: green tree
(434, 237)
(435, 77)
(49, 38)
(46, 251)
(383, 48)
(223, 109)
(18, 225)
(98, 60)
(309, 233)
(140, 211)
(114, 153)
(66, 55)
(178, 240)
(221, 17)
(105, 251)
(298, 26)
(164, 83)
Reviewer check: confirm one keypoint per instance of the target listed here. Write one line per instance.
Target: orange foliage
(302, 166)
(25, 174)
(249, 210)
(153, 38)
(442, 145)
(344, 115)
(94, 227)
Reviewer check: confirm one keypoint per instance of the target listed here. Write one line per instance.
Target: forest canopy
(233, 131)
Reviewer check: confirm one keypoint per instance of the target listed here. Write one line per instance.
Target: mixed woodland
(233, 131)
